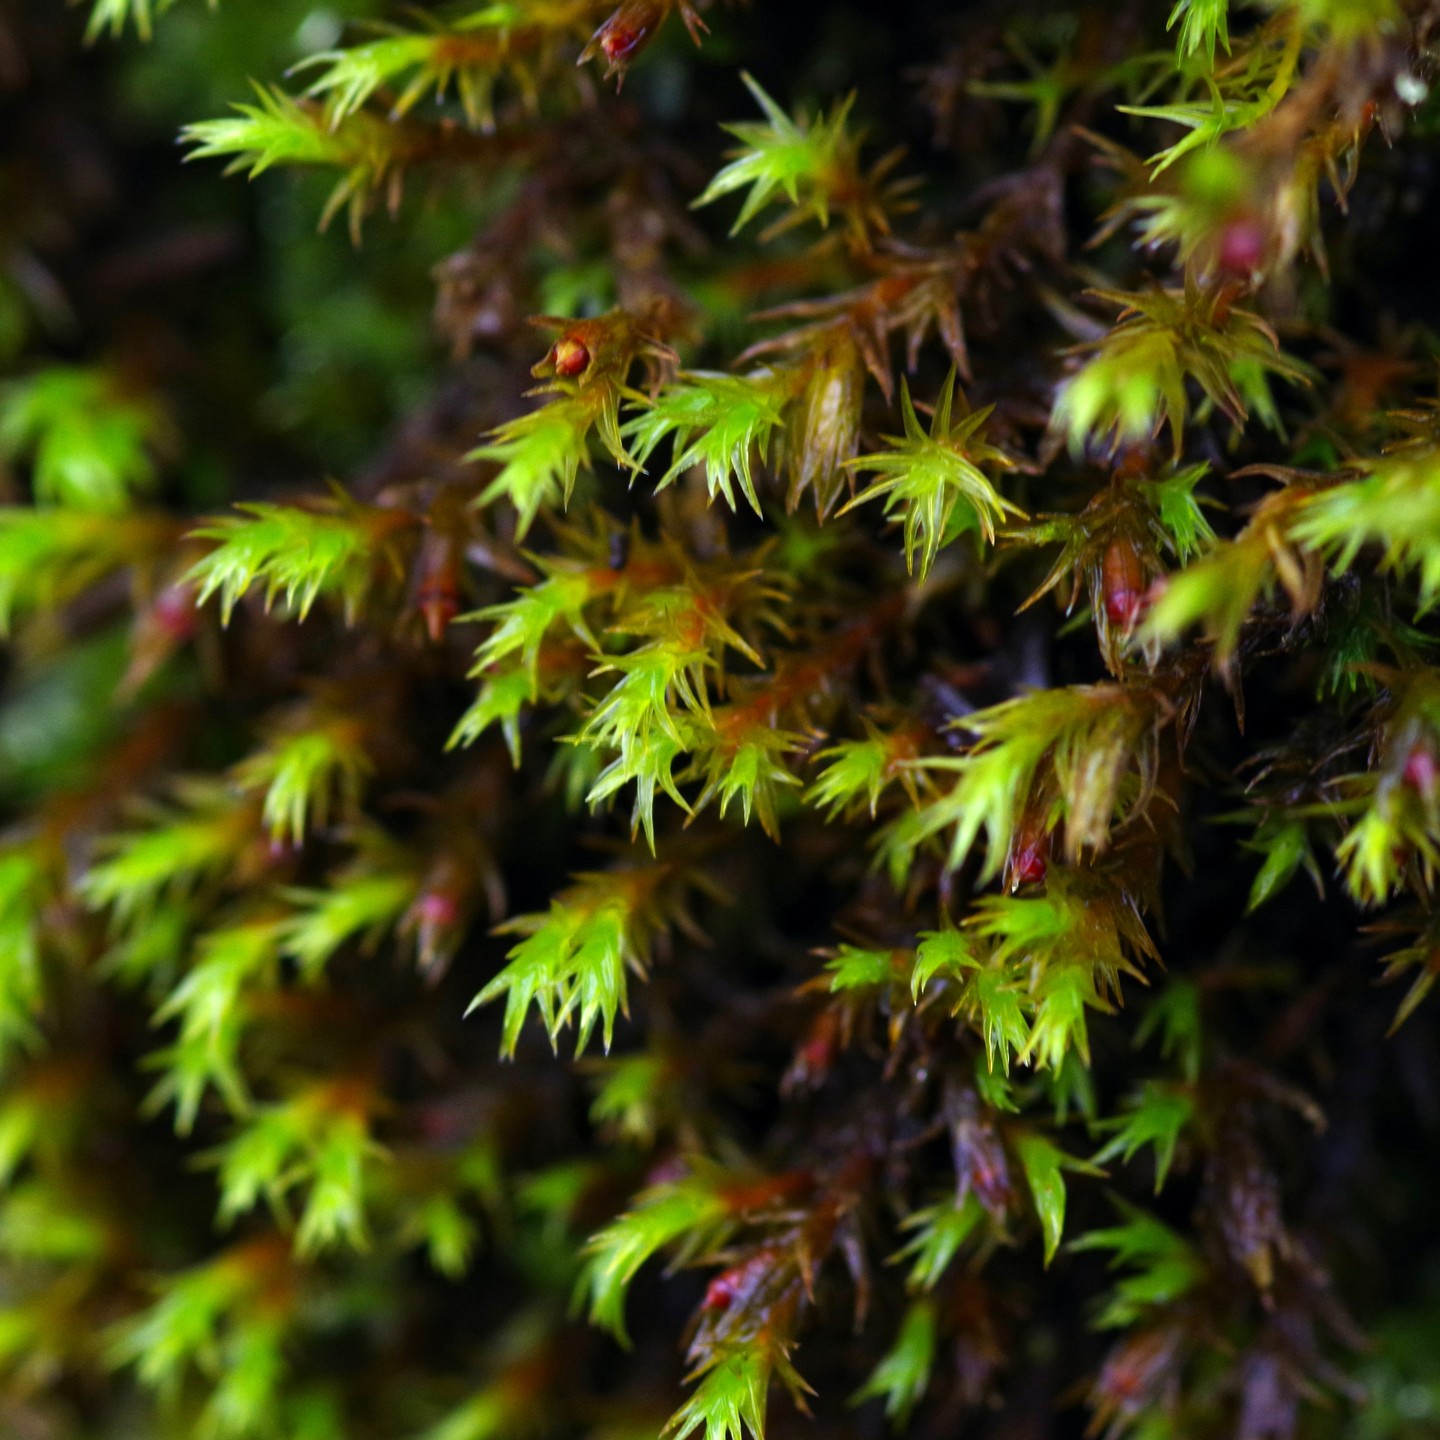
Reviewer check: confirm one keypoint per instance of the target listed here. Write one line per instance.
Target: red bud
(720, 1292)
(738, 1282)
(174, 612)
(1242, 247)
(437, 908)
(1029, 859)
(1029, 867)
(570, 358)
(1421, 771)
(619, 42)
(1123, 584)
(628, 30)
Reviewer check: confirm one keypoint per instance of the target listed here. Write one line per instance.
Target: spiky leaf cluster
(966, 908)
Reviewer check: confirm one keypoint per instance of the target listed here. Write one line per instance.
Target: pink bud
(174, 612)
(1242, 247)
(1421, 771)
(438, 909)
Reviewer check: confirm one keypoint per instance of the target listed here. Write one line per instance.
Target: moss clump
(585, 923)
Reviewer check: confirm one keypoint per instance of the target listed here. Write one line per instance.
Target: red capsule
(627, 31)
(1134, 1370)
(816, 1052)
(1123, 584)
(1029, 859)
(720, 1292)
(174, 612)
(738, 1282)
(1242, 247)
(669, 1171)
(1028, 867)
(619, 43)
(570, 358)
(437, 908)
(1421, 771)
(435, 917)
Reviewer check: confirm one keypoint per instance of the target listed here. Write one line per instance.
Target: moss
(918, 886)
